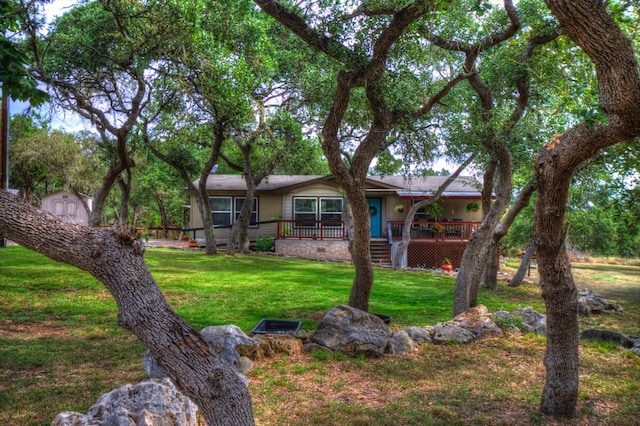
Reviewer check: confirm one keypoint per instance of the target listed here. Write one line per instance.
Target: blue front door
(375, 213)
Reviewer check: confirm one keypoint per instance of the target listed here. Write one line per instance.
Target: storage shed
(68, 206)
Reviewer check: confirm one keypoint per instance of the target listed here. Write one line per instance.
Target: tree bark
(524, 265)
(492, 266)
(589, 26)
(116, 259)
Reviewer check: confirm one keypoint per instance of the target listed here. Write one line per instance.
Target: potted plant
(193, 243)
(437, 228)
(446, 264)
(473, 207)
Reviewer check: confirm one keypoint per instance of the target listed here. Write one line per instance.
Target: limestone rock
(352, 331)
(450, 333)
(272, 344)
(154, 371)
(600, 335)
(149, 403)
(534, 321)
(419, 334)
(400, 343)
(230, 342)
(594, 303)
(478, 321)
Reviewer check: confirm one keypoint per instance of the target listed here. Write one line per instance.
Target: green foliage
(17, 83)
(509, 322)
(264, 244)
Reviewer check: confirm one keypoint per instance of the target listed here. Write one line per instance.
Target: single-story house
(305, 214)
(68, 206)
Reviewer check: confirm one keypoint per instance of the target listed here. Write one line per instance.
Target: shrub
(264, 244)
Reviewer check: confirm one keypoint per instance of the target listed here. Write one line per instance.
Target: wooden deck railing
(313, 230)
(322, 230)
(436, 230)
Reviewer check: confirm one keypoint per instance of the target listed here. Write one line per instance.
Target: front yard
(61, 348)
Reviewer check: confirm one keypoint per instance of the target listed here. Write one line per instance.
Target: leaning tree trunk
(592, 29)
(525, 264)
(493, 264)
(116, 259)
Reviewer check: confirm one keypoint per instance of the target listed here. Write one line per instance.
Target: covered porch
(431, 241)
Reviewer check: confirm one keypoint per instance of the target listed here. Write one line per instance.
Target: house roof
(404, 186)
(426, 186)
(271, 183)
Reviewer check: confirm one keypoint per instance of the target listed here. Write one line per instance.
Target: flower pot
(193, 244)
(446, 267)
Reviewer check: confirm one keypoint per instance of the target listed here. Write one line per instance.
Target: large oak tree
(589, 26)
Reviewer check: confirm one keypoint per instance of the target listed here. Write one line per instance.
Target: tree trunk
(360, 251)
(115, 258)
(239, 240)
(164, 218)
(125, 195)
(493, 265)
(560, 392)
(99, 200)
(525, 264)
(592, 29)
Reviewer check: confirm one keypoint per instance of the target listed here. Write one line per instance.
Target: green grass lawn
(61, 348)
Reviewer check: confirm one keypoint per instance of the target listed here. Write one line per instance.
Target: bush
(264, 244)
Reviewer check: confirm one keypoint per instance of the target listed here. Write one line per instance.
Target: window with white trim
(327, 209)
(221, 211)
(305, 208)
(226, 210)
(331, 209)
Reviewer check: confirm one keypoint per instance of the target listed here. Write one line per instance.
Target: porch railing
(312, 230)
(436, 230)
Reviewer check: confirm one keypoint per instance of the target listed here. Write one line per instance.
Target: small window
(239, 201)
(331, 209)
(305, 209)
(221, 211)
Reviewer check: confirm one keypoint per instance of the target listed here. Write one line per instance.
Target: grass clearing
(61, 348)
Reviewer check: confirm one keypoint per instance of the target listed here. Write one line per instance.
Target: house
(68, 206)
(306, 215)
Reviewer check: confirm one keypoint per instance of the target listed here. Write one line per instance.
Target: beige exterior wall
(335, 250)
(269, 208)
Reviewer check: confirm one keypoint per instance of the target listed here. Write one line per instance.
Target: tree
(373, 91)
(42, 161)
(115, 257)
(17, 83)
(589, 26)
(101, 60)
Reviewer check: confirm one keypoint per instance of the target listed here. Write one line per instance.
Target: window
(224, 215)
(239, 201)
(221, 211)
(331, 209)
(306, 209)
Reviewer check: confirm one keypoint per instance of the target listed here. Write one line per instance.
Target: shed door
(66, 209)
(375, 213)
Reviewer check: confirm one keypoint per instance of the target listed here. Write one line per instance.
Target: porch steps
(380, 254)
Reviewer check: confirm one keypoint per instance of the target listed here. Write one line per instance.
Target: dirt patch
(36, 330)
